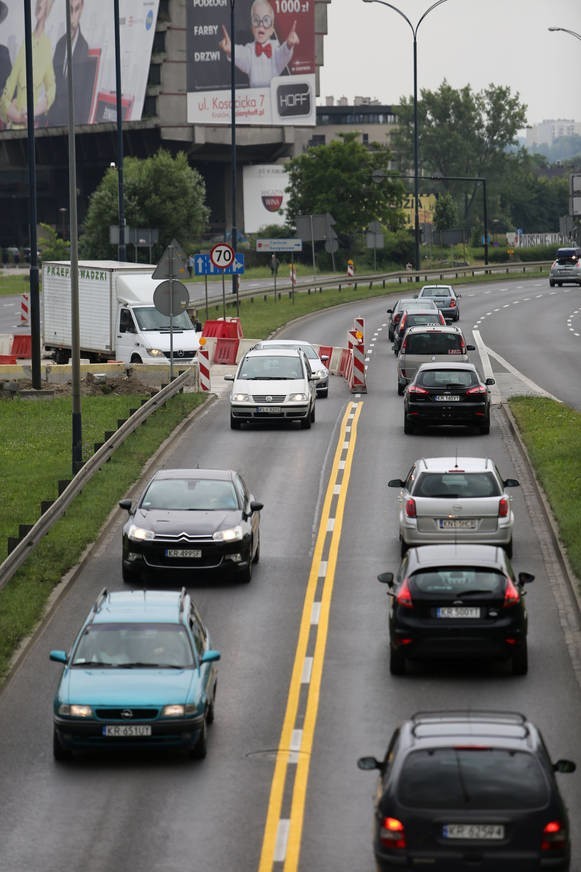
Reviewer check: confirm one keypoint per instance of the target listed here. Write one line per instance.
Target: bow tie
(266, 49)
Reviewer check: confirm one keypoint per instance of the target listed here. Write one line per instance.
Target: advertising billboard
(273, 45)
(265, 196)
(93, 59)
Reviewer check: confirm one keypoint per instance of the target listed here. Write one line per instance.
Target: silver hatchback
(566, 268)
(455, 500)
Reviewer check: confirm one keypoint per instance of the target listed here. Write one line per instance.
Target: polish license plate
(195, 553)
(458, 612)
(269, 410)
(127, 730)
(473, 831)
(443, 398)
(457, 524)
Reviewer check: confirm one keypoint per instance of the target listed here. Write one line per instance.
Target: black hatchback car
(447, 393)
(191, 522)
(452, 602)
(465, 790)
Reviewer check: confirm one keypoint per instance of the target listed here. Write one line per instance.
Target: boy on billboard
(264, 58)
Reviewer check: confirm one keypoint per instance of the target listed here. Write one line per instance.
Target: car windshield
(271, 368)
(455, 485)
(413, 320)
(134, 645)
(434, 343)
(472, 778)
(190, 495)
(441, 378)
(458, 580)
(150, 318)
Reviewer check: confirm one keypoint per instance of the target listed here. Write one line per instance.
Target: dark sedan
(413, 318)
(447, 393)
(456, 602)
(192, 522)
(409, 304)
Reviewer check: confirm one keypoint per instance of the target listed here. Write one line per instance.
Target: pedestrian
(191, 265)
(350, 268)
(274, 265)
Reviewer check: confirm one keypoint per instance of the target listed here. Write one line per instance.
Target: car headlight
(178, 710)
(298, 398)
(234, 534)
(138, 534)
(155, 352)
(240, 398)
(75, 710)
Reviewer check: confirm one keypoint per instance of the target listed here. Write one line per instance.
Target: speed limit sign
(222, 255)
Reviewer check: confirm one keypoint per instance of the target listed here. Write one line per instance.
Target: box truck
(117, 316)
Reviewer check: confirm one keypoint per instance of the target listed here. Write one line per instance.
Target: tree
(445, 213)
(461, 133)
(349, 180)
(161, 192)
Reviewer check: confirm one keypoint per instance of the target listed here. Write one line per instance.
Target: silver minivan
(426, 345)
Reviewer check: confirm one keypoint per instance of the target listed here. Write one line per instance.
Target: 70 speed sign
(222, 255)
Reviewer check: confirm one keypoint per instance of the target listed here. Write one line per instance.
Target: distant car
(455, 499)
(273, 385)
(446, 299)
(396, 311)
(454, 602)
(317, 362)
(428, 344)
(566, 268)
(447, 393)
(141, 673)
(466, 790)
(415, 318)
(190, 523)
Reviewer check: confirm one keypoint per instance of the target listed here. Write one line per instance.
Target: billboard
(93, 58)
(273, 45)
(265, 196)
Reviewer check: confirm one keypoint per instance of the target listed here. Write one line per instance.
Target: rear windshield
(455, 485)
(435, 343)
(419, 320)
(483, 778)
(435, 292)
(458, 581)
(440, 378)
(568, 255)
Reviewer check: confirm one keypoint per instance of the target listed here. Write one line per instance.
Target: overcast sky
(369, 51)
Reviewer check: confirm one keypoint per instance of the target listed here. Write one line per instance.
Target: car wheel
(234, 423)
(485, 428)
(520, 661)
(396, 662)
(256, 557)
(559, 284)
(200, 749)
(402, 547)
(246, 573)
(313, 414)
(128, 575)
(306, 423)
(408, 427)
(400, 389)
(210, 712)
(551, 283)
(508, 549)
(59, 752)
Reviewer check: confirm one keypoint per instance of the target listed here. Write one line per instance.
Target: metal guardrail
(27, 544)
(405, 277)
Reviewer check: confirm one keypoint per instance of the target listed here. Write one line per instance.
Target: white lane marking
(281, 840)
(486, 352)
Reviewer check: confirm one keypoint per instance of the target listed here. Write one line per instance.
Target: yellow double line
(284, 821)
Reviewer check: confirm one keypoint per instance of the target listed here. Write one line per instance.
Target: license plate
(269, 410)
(196, 553)
(457, 524)
(127, 730)
(458, 612)
(443, 398)
(473, 831)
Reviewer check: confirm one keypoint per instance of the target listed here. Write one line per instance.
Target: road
(304, 685)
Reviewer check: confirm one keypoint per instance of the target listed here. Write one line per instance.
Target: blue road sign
(203, 266)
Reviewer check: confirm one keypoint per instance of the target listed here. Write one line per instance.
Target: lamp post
(414, 31)
(565, 30)
(121, 251)
(233, 158)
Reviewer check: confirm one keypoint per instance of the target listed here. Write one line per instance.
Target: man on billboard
(5, 64)
(83, 74)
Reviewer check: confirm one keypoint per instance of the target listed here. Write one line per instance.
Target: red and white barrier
(356, 343)
(24, 311)
(204, 364)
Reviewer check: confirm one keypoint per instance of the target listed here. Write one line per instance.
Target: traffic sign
(171, 297)
(268, 245)
(203, 266)
(222, 255)
(173, 263)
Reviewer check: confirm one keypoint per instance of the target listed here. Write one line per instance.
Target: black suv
(460, 790)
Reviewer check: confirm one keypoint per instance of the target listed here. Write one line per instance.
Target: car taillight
(503, 507)
(410, 508)
(416, 389)
(554, 837)
(511, 594)
(392, 833)
(396, 319)
(404, 596)
(452, 303)
(478, 389)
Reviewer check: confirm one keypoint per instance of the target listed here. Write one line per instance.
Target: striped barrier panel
(357, 381)
(204, 367)
(24, 311)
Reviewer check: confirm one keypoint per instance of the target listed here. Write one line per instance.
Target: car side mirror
(395, 482)
(525, 578)
(125, 504)
(369, 763)
(255, 506)
(58, 656)
(470, 348)
(490, 381)
(325, 358)
(386, 578)
(228, 377)
(511, 482)
(565, 766)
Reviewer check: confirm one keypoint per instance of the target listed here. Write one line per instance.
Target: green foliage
(51, 245)
(350, 181)
(446, 214)
(161, 192)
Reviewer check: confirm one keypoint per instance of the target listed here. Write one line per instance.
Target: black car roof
(195, 474)
(499, 728)
(424, 556)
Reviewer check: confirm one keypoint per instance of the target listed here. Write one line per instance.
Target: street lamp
(233, 158)
(414, 31)
(564, 30)
(121, 251)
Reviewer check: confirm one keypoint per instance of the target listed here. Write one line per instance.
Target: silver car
(317, 362)
(566, 268)
(455, 500)
(446, 299)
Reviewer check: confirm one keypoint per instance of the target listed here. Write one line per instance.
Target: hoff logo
(293, 99)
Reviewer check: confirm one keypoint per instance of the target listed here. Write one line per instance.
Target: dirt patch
(91, 385)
